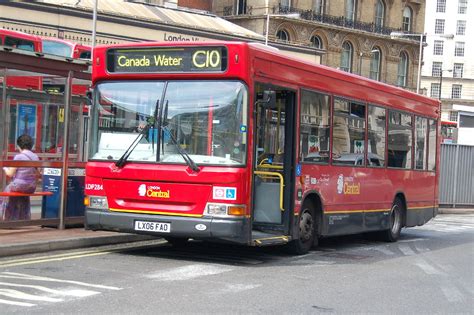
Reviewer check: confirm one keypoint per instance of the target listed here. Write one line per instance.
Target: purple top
(25, 175)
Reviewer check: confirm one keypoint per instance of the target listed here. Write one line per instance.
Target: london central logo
(152, 191)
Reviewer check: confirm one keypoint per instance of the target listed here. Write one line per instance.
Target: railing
(341, 21)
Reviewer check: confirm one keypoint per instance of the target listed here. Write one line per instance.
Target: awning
(156, 14)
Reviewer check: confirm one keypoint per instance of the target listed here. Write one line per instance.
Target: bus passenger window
(399, 140)
(432, 145)
(376, 137)
(348, 144)
(421, 142)
(314, 127)
(19, 43)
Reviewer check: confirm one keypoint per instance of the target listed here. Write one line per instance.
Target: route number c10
(207, 59)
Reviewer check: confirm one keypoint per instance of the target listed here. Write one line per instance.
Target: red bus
(20, 40)
(235, 142)
(64, 48)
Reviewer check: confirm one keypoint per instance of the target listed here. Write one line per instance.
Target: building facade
(354, 34)
(448, 70)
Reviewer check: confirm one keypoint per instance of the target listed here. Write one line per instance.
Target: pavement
(36, 239)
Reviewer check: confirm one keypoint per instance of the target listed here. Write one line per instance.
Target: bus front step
(266, 239)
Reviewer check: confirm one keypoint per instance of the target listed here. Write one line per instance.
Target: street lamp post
(421, 35)
(441, 81)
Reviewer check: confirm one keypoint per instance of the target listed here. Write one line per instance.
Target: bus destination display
(167, 59)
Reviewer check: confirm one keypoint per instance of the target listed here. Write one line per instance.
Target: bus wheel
(396, 219)
(306, 232)
(177, 241)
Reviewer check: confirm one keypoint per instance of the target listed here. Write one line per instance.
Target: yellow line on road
(75, 255)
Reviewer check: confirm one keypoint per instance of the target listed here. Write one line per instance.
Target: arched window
(407, 16)
(375, 64)
(351, 6)
(283, 35)
(316, 42)
(346, 57)
(402, 69)
(379, 13)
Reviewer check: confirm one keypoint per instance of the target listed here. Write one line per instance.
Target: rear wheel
(396, 222)
(307, 230)
(177, 241)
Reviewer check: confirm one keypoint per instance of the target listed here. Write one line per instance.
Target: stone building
(354, 34)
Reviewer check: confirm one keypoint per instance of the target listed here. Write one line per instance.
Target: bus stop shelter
(44, 96)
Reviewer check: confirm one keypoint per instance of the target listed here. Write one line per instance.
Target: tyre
(396, 222)
(306, 231)
(177, 241)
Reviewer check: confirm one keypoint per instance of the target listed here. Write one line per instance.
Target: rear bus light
(96, 202)
(224, 210)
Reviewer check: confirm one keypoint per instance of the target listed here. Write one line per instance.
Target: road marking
(16, 303)
(15, 294)
(451, 293)
(76, 293)
(15, 275)
(189, 272)
(80, 254)
(427, 268)
(406, 250)
(236, 288)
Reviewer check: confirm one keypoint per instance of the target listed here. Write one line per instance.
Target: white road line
(406, 250)
(25, 296)
(427, 268)
(16, 303)
(451, 293)
(15, 275)
(235, 288)
(76, 293)
(189, 272)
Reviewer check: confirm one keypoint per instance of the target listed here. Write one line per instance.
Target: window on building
(456, 91)
(441, 6)
(459, 49)
(407, 16)
(466, 121)
(346, 57)
(379, 13)
(458, 70)
(348, 144)
(283, 35)
(316, 42)
(432, 145)
(315, 118)
(461, 27)
(434, 93)
(402, 69)
(421, 142)
(241, 7)
(438, 47)
(453, 115)
(375, 64)
(376, 136)
(439, 26)
(462, 6)
(399, 140)
(285, 3)
(436, 69)
(351, 7)
(318, 6)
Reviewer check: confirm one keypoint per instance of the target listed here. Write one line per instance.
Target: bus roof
(273, 54)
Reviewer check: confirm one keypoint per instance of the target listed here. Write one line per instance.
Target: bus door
(273, 166)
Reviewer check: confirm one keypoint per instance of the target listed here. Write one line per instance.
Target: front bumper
(225, 229)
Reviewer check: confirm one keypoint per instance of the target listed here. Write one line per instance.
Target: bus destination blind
(167, 59)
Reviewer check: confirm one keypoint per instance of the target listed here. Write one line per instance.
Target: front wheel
(307, 231)
(396, 222)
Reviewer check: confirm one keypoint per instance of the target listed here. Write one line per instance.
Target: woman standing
(24, 179)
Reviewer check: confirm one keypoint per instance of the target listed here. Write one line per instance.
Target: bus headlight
(224, 210)
(97, 202)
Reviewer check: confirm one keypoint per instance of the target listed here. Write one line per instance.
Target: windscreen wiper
(123, 159)
(189, 161)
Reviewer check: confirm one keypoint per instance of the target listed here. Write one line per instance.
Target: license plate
(159, 227)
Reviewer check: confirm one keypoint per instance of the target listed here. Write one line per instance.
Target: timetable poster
(26, 121)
